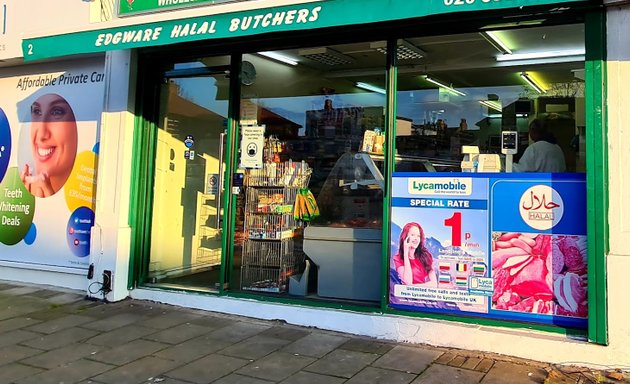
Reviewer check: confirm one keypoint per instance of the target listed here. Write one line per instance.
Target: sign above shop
(129, 7)
(297, 17)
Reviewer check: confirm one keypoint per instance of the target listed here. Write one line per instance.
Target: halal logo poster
(539, 249)
(49, 127)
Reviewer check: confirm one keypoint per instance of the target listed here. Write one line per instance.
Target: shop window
(489, 192)
(470, 90)
(312, 110)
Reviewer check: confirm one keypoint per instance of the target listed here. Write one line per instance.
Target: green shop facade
(308, 162)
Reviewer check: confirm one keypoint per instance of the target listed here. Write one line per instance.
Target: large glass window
(489, 198)
(315, 107)
(468, 88)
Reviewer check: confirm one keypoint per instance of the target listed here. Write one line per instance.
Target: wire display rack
(286, 174)
(272, 251)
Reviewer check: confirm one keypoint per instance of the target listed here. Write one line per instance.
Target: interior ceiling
(463, 60)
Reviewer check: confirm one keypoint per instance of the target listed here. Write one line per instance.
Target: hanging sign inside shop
(129, 7)
(252, 145)
(510, 248)
(300, 17)
(212, 186)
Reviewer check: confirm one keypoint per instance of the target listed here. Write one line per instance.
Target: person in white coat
(544, 155)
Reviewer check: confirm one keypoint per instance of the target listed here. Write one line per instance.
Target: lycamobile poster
(49, 121)
(503, 246)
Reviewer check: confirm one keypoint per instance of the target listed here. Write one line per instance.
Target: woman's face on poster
(414, 237)
(53, 136)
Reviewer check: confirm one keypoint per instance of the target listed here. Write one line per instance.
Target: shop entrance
(186, 235)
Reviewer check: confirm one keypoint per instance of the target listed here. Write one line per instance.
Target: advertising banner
(49, 121)
(129, 7)
(511, 247)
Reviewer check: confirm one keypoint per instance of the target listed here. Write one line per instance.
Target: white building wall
(618, 100)
(32, 16)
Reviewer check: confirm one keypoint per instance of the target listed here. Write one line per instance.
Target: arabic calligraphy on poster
(539, 249)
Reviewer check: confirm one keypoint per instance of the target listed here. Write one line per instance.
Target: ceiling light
(279, 57)
(442, 85)
(514, 24)
(326, 56)
(496, 42)
(370, 87)
(532, 83)
(542, 55)
(491, 104)
(404, 51)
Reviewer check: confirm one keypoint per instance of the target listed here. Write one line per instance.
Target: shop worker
(544, 155)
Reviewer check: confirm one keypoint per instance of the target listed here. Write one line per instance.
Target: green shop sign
(309, 16)
(128, 7)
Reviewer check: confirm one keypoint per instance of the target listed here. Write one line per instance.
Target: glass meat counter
(345, 241)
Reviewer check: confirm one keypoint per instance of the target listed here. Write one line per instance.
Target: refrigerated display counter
(345, 242)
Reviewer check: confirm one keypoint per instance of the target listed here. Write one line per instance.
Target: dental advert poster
(49, 127)
(511, 248)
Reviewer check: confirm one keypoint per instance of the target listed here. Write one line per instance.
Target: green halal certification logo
(17, 207)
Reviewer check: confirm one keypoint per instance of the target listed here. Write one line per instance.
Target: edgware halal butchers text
(260, 21)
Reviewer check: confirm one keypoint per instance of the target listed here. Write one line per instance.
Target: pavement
(48, 335)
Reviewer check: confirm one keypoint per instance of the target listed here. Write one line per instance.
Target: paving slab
(20, 290)
(303, 377)
(43, 293)
(240, 379)
(255, 347)
(60, 356)
(21, 309)
(68, 373)
(407, 359)
(342, 363)
(178, 333)
(120, 335)
(315, 345)
(368, 346)
(213, 322)
(371, 375)
(113, 322)
(17, 323)
(193, 349)
(17, 336)
(65, 298)
(138, 371)
(14, 353)
(59, 339)
(207, 369)
(276, 367)
(60, 323)
(237, 331)
(128, 352)
(164, 320)
(440, 374)
(504, 372)
(15, 371)
(285, 332)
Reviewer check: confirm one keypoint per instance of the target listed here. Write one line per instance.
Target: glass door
(186, 236)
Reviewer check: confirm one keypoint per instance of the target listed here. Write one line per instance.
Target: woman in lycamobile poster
(414, 262)
(53, 140)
